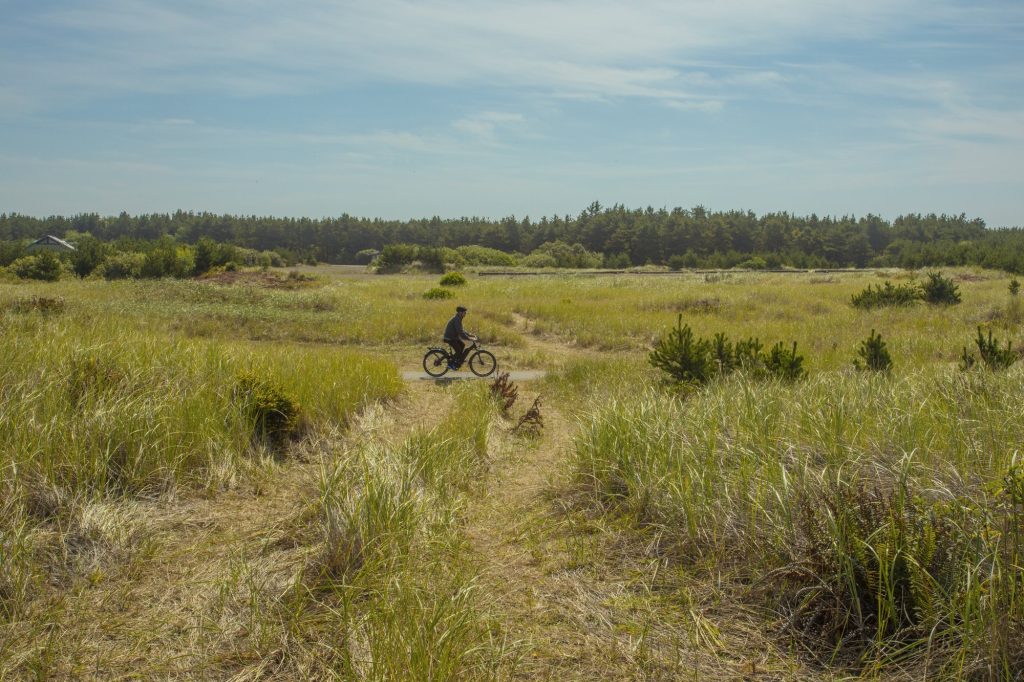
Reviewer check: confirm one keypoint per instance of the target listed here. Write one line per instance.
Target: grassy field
(227, 478)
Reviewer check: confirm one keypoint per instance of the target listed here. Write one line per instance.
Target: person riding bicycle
(454, 335)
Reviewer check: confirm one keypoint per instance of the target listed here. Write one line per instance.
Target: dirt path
(575, 596)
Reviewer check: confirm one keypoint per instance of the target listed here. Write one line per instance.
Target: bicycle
(481, 362)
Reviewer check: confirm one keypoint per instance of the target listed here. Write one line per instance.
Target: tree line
(618, 236)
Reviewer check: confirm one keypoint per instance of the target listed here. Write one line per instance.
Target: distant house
(49, 243)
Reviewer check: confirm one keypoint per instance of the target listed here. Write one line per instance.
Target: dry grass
(411, 540)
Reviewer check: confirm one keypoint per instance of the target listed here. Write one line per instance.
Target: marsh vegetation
(227, 478)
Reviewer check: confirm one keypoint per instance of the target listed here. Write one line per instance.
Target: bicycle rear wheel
(482, 363)
(435, 363)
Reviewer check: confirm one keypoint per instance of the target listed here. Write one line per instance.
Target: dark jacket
(454, 330)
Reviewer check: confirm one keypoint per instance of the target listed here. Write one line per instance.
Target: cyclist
(454, 335)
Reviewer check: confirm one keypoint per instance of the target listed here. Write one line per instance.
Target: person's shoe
(452, 366)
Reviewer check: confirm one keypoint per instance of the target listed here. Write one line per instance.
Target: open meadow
(227, 478)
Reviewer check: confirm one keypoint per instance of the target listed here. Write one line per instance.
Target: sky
(399, 110)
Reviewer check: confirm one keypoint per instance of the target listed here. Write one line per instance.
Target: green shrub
(874, 356)
(939, 290)
(755, 263)
(482, 255)
(273, 413)
(394, 257)
(1014, 287)
(43, 266)
(453, 279)
(616, 261)
(691, 360)
(680, 261)
(127, 265)
(88, 255)
(208, 254)
(993, 357)
(168, 259)
(887, 295)
(568, 255)
(784, 363)
(437, 293)
(539, 260)
(684, 357)
(430, 258)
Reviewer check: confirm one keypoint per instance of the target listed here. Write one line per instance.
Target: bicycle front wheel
(482, 363)
(435, 363)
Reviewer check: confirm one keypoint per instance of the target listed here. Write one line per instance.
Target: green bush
(539, 260)
(273, 413)
(88, 255)
(437, 293)
(992, 356)
(168, 259)
(887, 295)
(874, 356)
(394, 257)
(784, 363)
(616, 261)
(568, 255)
(939, 290)
(453, 279)
(431, 258)
(684, 357)
(688, 359)
(755, 263)
(482, 255)
(1014, 287)
(127, 265)
(686, 260)
(43, 266)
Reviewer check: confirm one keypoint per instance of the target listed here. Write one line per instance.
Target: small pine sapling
(888, 295)
(784, 363)
(723, 353)
(993, 357)
(683, 357)
(874, 356)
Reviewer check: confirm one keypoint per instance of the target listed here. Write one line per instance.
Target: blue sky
(435, 107)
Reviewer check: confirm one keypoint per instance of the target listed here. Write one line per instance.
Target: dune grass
(873, 520)
(385, 591)
(98, 410)
(878, 516)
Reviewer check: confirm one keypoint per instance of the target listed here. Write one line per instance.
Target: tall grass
(880, 515)
(94, 410)
(104, 410)
(391, 577)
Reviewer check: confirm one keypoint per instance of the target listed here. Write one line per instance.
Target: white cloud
(708, 105)
(485, 125)
(570, 48)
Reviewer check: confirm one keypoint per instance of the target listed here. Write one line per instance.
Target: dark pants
(459, 346)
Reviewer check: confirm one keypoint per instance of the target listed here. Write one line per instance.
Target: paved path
(464, 375)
